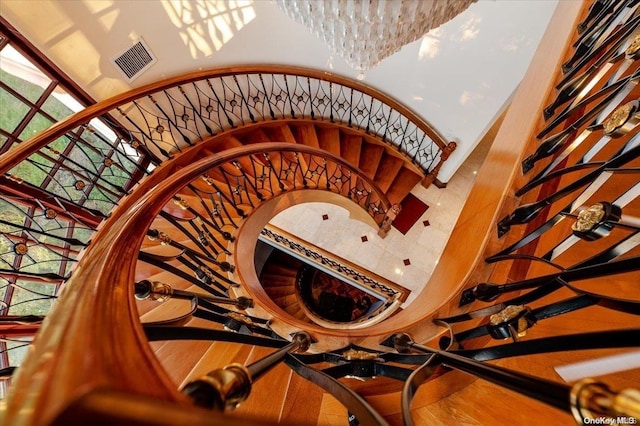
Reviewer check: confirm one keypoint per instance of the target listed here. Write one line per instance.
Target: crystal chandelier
(364, 32)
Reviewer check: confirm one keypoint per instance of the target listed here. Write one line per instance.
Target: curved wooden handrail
(13, 157)
(97, 309)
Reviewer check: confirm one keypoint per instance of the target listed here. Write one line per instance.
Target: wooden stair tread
(388, 169)
(277, 292)
(403, 183)
(306, 135)
(218, 355)
(302, 401)
(268, 392)
(370, 157)
(329, 139)
(281, 133)
(178, 357)
(350, 146)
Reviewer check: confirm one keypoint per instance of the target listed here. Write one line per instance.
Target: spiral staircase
(177, 179)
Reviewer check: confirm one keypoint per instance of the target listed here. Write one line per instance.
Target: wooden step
(403, 183)
(287, 300)
(218, 355)
(370, 157)
(275, 280)
(276, 293)
(268, 392)
(179, 357)
(329, 139)
(257, 135)
(332, 412)
(270, 274)
(350, 148)
(302, 402)
(276, 268)
(306, 135)
(483, 403)
(277, 285)
(388, 169)
(295, 310)
(281, 133)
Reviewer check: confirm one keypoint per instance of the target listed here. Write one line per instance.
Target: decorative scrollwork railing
(93, 156)
(205, 105)
(201, 224)
(108, 249)
(352, 275)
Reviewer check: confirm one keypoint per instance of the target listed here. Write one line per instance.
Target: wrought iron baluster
(170, 120)
(196, 112)
(220, 103)
(135, 144)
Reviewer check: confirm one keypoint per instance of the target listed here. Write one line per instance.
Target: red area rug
(412, 209)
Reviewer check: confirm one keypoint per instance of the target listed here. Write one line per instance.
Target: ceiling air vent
(135, 60)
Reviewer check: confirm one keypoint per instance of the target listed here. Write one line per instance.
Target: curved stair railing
(388, 294)
(93, 352)
(123, 135)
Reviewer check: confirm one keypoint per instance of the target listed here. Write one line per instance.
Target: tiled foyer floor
(408, 259)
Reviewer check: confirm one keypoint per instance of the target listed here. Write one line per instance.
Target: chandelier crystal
(364, 32)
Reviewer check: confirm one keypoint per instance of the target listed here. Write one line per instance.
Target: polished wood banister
(97, 309)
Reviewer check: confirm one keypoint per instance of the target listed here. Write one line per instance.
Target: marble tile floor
(408, 259)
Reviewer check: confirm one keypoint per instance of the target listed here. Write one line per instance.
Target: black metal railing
(330, 263)
(193, 236)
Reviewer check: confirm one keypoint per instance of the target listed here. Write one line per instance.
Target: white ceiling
(458, 77)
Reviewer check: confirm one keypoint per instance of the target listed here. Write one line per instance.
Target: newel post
(444, 155)
(391, 215)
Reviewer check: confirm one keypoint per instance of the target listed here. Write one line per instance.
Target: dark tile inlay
(426, 223)
(325, 216)
(364, 238)
(406, 262)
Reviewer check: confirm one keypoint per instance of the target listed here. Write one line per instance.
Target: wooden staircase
(279, 278)
(393, 174)
(283, 396)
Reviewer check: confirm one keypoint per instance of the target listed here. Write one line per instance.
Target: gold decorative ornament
(591, 399)
(108, 162)
(159, 128)
(79, 185)
(240, 318)
(180, 202)
(205, 270)
(160, 292)
(588, 218)
(207, 179)
(50, 214)
(353, 354)
(510, 313)
(160, 236)
(164, 238)
(507, 314)
(21, 249)
(231, 384)
(622, 120)
(634, 47)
